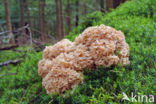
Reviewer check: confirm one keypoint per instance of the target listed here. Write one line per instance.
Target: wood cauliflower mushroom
(62, 65)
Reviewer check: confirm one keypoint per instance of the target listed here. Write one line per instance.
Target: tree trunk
(117, 3)
(27, 12)
(122, 1)
(8, 47)
(85, 9)
(8, 22)
(62, 19)
(42, 20)
(69, 16)
(22, 21)
(22, 12)
(58, 23)
(28, 17)
(77, 13)
(102, 6)
(109, 4)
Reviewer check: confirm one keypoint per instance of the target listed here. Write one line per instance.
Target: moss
(136, 18)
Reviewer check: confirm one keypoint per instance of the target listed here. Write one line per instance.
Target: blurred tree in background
(49, 20)
(8, 21)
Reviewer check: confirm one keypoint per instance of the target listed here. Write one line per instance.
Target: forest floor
(21, 83)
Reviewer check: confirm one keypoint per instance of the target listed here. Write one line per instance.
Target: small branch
(7, 74)
(20, 51)
(31, 101)
(19, 29)
(30, 35)
(9, 47)
(38, 93)
(38, 44)
(24, 93)
(4, 32)
(35, 42)
(14, 62)
(154, 64)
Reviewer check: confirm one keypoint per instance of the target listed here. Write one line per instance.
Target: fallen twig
(14, 62)
(38, 93)
(41, 46)
(24, 93)
(20, 51)
(9, 47)
(38, 44)
(19, 29)
(8, 74)
(31, 101)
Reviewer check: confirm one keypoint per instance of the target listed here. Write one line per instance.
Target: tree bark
(42, 21)
(58, 23)
(27, 12)
(22, 21)
(62, 19)
(85, 9)
(8, 22)
(122, 1)
(116, 3)
(8, 47)
(22, 12)
(26, 8)
(13, 62)
(109, 4)
(77, 13)
(69, 16)
(102, 6)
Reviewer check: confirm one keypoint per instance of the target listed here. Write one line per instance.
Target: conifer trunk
(58, 23)
(61, 19)
(27, 12)
(69, 16)
(109, 4)
(8, 22)
(22, 13)
(22, 21)
(102, 6)
(42, 21)
(77, 13)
